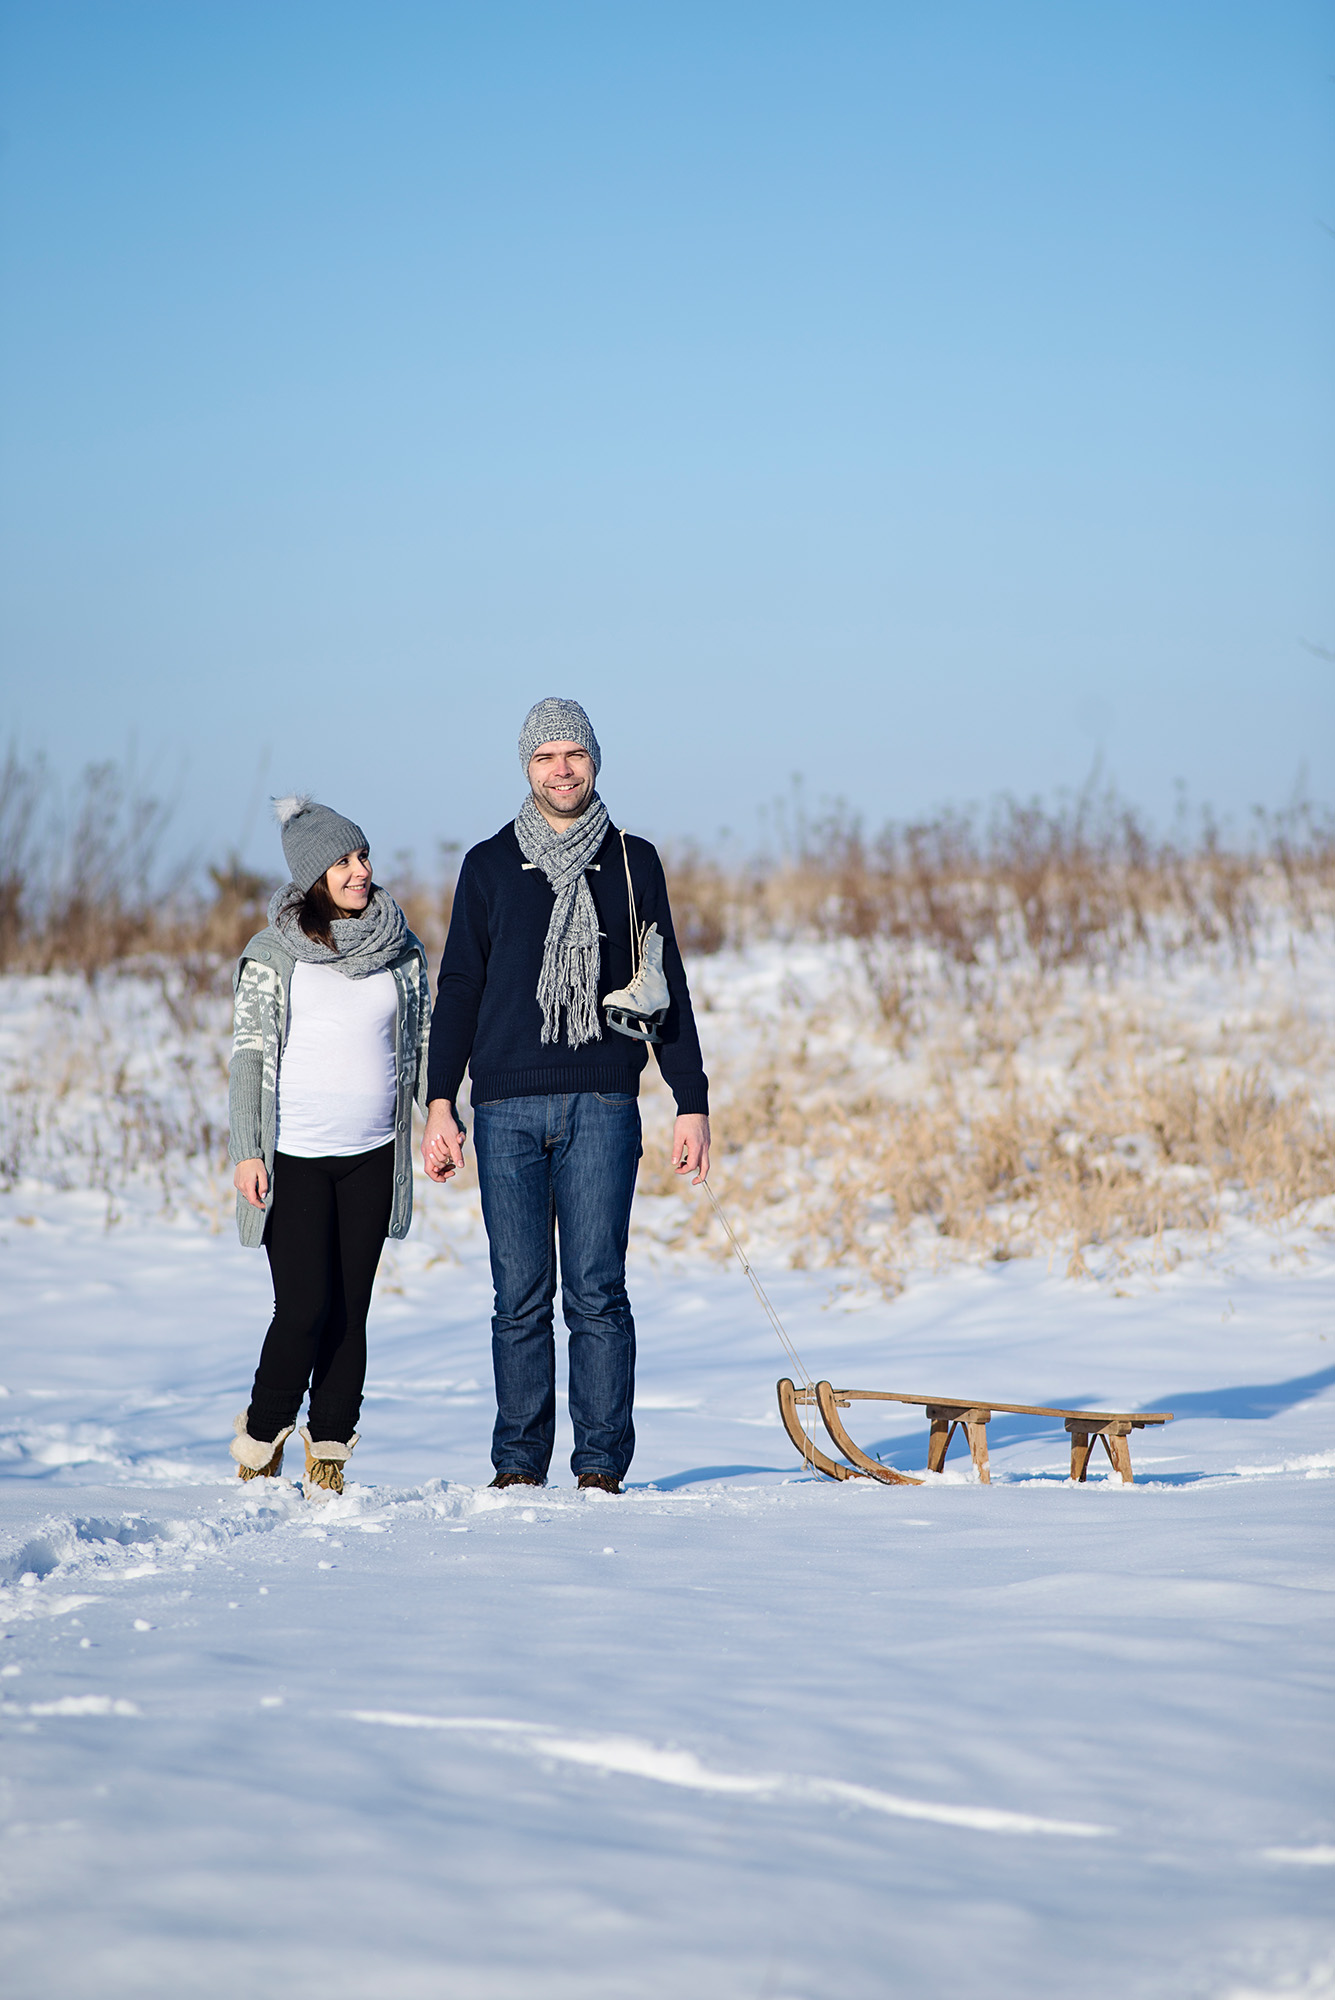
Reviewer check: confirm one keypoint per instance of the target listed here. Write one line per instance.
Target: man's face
(561, 775)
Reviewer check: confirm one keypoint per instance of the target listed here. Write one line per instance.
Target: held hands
(690, 1146)
(442, 1142)
(252, 1181)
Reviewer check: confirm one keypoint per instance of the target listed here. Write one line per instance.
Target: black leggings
(325, 1232)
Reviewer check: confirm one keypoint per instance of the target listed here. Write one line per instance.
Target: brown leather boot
(598, 1482)
(325, 1461)
(504, 1479)
(257, 1458)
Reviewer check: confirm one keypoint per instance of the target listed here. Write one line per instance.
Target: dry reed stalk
(82, 888)
(1084, 883)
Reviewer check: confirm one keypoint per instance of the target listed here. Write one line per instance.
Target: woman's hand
(442, 1142)
(251, 1180)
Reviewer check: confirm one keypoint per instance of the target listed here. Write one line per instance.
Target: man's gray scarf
(569, 976)
(362, 945)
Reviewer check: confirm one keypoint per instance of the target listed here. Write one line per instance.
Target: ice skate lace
(636, 936)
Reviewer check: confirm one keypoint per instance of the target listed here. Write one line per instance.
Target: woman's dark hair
(316, 912)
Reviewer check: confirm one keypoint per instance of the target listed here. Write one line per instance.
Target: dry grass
(1084, 883)
(1001, 1068)
(116, 1085)
(1052, 1116)
(82, 888)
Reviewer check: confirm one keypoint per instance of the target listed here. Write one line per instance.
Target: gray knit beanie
(556, 720)
(314, 837)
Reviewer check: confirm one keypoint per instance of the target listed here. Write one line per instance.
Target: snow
(740, 1734)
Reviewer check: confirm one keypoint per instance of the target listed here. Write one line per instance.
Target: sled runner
(946, 1415)
(864, 1467)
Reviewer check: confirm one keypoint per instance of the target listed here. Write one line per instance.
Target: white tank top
(336, 1074)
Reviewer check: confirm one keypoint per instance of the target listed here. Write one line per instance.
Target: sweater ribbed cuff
(692, 1100)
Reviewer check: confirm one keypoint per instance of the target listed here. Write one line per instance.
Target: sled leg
(1081, 1442)
(1118, 1448)
(938, 1443)
(945, 1419)
(829, 1409)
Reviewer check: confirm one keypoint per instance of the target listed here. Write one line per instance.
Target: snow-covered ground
(741, 1734)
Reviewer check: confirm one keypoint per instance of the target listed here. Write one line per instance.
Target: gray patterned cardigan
(261, 984)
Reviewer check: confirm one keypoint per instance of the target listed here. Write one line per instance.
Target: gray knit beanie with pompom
(314, 837)
(557, 720)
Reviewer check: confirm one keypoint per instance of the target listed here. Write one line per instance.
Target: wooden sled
(946, 1415)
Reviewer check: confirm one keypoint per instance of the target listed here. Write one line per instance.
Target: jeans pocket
(615, 1099)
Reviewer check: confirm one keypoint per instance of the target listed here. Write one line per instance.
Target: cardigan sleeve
(246, 1078)
(423, 1030)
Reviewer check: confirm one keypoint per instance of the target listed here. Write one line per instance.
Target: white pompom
(288, 808)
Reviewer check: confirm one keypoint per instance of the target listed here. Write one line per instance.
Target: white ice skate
(639, 1010)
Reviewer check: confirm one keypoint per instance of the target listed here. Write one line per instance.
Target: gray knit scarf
(362, 945)
(569, 976)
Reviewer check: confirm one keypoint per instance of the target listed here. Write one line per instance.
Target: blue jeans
(560, 1168)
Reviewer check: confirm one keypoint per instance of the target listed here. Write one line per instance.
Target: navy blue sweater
(487, 1018)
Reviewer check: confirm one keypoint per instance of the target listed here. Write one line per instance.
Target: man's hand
(690, 1145)
(252, 1181)
(442, 1142)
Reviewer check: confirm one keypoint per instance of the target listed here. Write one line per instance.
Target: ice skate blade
(639, 1027)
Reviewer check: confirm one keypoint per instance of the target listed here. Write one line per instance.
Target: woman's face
(349, 882)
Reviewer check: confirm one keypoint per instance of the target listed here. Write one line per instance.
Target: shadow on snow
(698, 1473)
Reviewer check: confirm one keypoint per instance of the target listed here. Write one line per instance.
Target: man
(540, 948)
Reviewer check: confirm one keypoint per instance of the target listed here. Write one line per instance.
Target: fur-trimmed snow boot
(325, 1461)
(257, 1458)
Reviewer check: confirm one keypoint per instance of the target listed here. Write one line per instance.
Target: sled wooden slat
(946, 1415)
(1136, 1417)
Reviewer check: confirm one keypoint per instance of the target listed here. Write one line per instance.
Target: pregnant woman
(332, 1016)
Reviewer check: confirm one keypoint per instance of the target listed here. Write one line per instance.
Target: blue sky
(925, 399)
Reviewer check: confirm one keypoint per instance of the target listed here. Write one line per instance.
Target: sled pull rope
(761, 1293)
(809, 1452)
